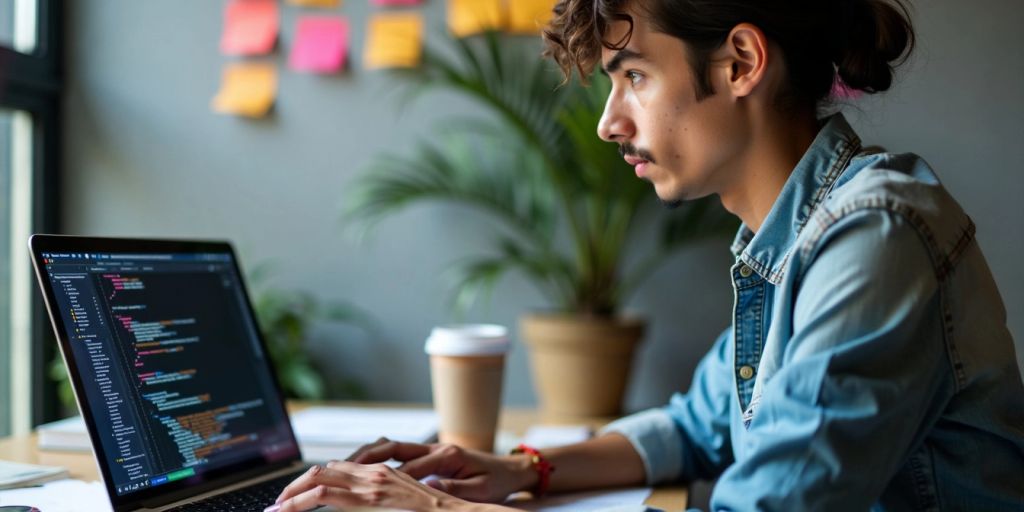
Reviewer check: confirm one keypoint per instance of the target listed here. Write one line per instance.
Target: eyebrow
(622, 55)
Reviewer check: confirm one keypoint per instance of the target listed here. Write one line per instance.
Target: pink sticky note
(321, 44)
(396, 2)
(250, 27)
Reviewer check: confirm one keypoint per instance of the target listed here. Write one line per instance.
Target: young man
(868, 364)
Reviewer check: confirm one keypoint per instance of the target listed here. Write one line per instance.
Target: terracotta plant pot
(581, 365)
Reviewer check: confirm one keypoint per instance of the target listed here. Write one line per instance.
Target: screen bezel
(173, 491)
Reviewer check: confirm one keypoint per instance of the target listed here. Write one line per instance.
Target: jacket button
(745, 271)
(746, 372)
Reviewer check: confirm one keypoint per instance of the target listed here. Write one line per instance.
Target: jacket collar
(767, 251)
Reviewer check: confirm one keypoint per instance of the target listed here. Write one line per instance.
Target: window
(29, 96)
(6, 118)
(18, 25)
(15, 216)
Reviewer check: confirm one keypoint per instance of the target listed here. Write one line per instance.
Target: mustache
(626, 148)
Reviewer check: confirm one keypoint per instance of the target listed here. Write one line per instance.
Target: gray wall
(144, 156)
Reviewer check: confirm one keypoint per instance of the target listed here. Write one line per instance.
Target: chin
(671, 199)
(671, 204)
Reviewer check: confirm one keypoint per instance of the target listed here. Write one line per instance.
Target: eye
(634, 77)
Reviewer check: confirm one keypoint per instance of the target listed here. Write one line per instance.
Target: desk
(516, 420)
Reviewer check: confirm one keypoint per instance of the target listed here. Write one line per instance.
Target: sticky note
(468, 17)
(315, 3)
(321, 44)
(384, 3)
(394, 40)
(250, 27)
(529, 16)
(247, 89)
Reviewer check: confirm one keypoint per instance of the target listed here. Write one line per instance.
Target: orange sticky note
(396, 2)
(394, 40)
(315, 3)
(468, 17)
(250, 27)
(321, 44)
(529, 16)
(248, 89)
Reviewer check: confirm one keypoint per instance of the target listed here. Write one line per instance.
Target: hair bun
(875, 35)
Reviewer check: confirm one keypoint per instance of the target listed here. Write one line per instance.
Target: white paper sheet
(60, 496)
(547, 436)
(17, 474)
(355, 426)
(631, 498)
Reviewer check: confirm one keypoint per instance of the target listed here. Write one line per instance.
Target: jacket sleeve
(689, 438)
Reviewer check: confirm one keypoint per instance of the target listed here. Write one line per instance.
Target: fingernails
(272, 508)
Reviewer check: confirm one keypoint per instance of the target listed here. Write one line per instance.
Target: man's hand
(467, 474)
(347, 484)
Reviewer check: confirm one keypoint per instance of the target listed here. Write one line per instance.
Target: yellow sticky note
(247, 89)
(394, 40)
(315, 3)
(529, 16)
(468, 17)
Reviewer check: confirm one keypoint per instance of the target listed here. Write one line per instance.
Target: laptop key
(255, 497)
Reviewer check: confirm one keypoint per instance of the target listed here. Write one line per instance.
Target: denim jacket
(868, 365)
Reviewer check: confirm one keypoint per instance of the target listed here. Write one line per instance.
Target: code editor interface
(171, 364)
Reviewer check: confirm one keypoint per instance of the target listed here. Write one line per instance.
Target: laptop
(170, 371)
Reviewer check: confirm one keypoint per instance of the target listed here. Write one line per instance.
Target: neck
(778, 144)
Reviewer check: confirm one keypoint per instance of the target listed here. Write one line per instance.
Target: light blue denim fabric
(868, 365)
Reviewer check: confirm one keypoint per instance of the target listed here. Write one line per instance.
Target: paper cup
(467, 365)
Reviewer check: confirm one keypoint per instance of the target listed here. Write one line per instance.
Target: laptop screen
(173, 370)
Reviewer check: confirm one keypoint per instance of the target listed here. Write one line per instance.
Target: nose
(615, 124)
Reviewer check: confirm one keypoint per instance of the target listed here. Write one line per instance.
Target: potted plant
(538, 168)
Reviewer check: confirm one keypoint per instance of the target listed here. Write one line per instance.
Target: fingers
(321, 495)
(384, 450)
(362, 449)
(329, 475)
(375, 485)
(476, 488)
(443, 460)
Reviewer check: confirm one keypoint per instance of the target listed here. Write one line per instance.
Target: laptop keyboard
(253, 498)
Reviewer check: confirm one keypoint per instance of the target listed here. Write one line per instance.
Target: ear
(745, 52)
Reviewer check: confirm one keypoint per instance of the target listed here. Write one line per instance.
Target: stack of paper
(61, 496)
(549, 436)
(329, 433)
(16, 474)
(324, 433)
(67, 434)
(629, 499)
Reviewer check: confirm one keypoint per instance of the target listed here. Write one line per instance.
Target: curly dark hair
(861, 41)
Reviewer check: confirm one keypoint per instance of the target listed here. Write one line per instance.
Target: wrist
(526, 476)
(541, 467)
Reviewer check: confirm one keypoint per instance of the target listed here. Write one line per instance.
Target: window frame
(33, 83)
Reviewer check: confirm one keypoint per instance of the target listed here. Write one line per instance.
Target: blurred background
(106, 129)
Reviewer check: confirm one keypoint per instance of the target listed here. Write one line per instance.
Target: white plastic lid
(467, 340)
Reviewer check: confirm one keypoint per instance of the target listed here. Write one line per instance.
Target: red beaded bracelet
(540, 465)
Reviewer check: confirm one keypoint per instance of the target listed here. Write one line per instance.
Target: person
(868, 364)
